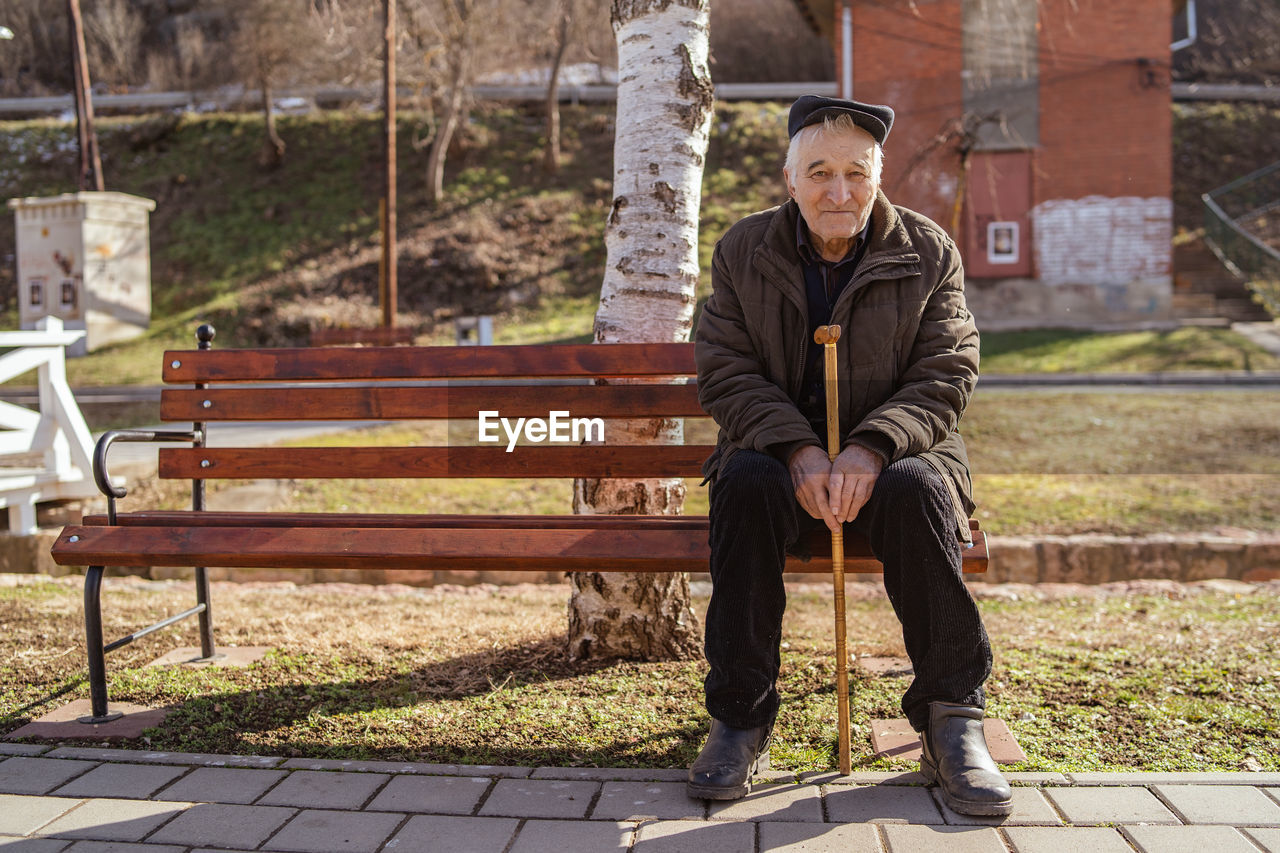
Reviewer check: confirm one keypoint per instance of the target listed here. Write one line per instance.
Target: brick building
(1038, 132)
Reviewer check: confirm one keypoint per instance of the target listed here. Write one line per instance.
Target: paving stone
(64, 723)
(1174, 778)
(21, 815)
(410, 767)
(1187, 839)
(113, 820)
(881, 804)
(431, 794)
(221, 785)
(22, 748)
(10, 844)
(441, 834)
(325, 831)
(943, 839)
(24, 775)
(134, 781)
(647, 801)
(611, 774)
(1069, 839)
(140, 756)
(896, 739)
(220, 825)
(772, 802)
(1110, 805)
(319, 790)
(121, 847)
(1030, 808)
(1267, 839)
(539, 798)
(1230, 804)
(558, 836)
(1036, 778)
(694, 836)
(818, 838)
(1273, 793)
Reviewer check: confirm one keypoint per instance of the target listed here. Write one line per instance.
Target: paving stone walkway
(82, 800)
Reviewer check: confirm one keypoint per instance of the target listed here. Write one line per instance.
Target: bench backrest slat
(684, 460)
(380, 402)
(391, 363)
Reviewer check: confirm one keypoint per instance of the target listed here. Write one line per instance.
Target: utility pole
(90, 161)
(389, 206)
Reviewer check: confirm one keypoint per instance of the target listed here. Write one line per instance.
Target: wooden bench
(406, 383)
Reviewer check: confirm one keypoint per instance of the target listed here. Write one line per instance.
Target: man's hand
(810, 474)
(853, 476)
(834, 492)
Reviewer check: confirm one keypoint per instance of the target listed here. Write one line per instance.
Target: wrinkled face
(834, 181)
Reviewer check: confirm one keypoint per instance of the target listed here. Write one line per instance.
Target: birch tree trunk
(665, 100)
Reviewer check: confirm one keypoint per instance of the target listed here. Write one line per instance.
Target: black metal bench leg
(95, 648)
(206, 618)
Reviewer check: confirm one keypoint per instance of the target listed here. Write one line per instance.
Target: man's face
(833, 183)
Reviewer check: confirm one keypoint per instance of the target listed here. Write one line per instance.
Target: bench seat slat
(282, 463)
(372, 402)
(375, 363)
(335, 540)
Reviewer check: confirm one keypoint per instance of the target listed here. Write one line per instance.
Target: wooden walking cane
(827, 336)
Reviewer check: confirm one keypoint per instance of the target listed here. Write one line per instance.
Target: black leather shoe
(956, 758)
(730, 758)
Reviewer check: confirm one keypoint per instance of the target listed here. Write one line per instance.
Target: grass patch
(1074, 351)
(477, 675)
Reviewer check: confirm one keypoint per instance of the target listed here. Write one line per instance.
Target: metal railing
(1242, 227)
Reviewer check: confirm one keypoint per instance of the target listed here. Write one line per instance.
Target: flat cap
(875, 119)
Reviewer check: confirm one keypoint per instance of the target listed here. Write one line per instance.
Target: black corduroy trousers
(910, 523)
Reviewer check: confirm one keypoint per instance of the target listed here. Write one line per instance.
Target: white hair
(834, 124)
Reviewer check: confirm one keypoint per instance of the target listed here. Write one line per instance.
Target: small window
(1002, 242)
(68, 294)
(35, 292)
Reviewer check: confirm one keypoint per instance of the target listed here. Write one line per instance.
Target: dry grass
(1146, 678)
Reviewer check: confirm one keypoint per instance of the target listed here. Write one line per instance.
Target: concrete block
(129, 781)
(409, 767)
(612, 774)
(317, 790)
(1110, 805)
(1014, 559)
(558, 836)
(1226, 804)
(818, 838)
(139, 756)
(1267, 839)
(9, 844)
(647, 801)
(64, 723)
(21, 815)
(219, 825)
(121, 847)
(26, 775)
(224, 656)
(896, 739)
(221, 785)
(1187, 839)
(23, 748)
(1144, 779)
(113, 820)
(1071, 839)
(881, 804)
(911, 778)
(437, 832)
(694, 836)
(772, 802)
(431, 794)
(539, 798)
(323, 831)
(943, 839)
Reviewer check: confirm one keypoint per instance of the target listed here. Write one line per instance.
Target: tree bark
(665, 100)
(459, 48)
(551, 161)
(273, 146)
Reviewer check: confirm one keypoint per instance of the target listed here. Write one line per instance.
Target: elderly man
(839, 252)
